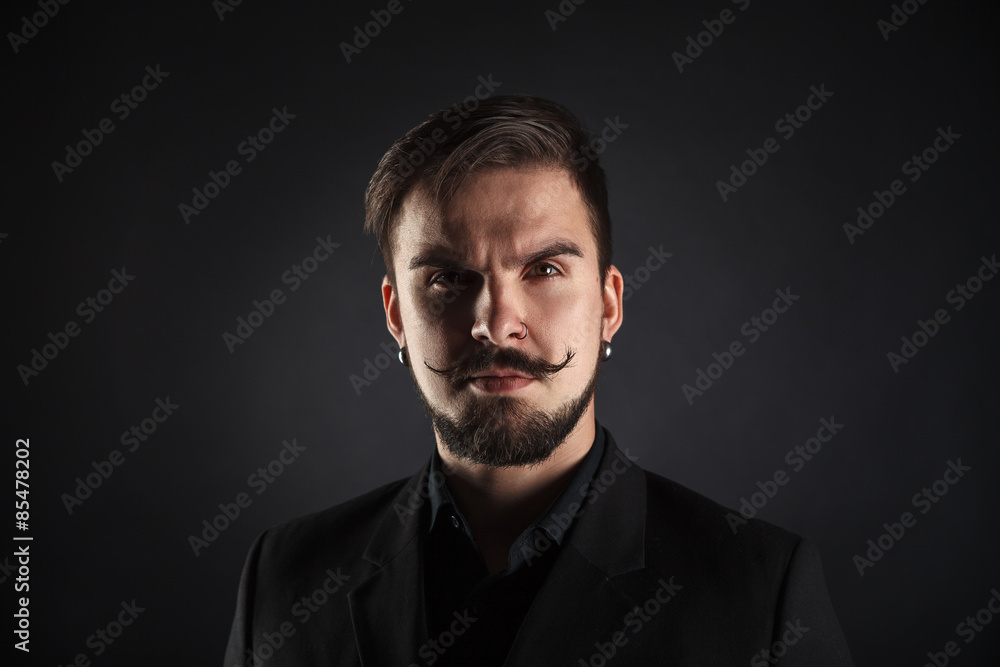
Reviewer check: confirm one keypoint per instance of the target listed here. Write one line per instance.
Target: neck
(500, 503)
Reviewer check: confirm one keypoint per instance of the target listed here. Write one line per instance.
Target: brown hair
(503, 131)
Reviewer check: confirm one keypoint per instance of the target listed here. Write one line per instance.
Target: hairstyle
(504, 131)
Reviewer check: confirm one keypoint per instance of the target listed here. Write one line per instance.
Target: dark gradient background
(162, 336)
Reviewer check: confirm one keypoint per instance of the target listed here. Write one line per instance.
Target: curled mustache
(511, 358)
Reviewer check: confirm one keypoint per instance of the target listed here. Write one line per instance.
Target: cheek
(440, 307)
(433, 334)
(567, 314)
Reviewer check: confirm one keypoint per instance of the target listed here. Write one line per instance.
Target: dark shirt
(472, 615)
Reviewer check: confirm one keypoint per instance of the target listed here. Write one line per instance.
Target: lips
(500, 380)
(500, 373)
(500, 384)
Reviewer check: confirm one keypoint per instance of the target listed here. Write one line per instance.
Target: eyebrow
(443, 259)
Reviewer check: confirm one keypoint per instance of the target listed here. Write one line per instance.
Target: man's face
(502, 280)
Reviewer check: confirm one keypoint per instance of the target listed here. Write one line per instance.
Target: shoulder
(685, 526)
(336, 535)
(308, 566)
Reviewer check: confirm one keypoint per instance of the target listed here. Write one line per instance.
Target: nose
(499, 313)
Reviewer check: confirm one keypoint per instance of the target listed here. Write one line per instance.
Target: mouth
(499, 381)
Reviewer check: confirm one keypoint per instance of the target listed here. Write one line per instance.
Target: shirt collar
(555, 520)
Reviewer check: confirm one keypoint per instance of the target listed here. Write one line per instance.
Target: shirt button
(454, 521)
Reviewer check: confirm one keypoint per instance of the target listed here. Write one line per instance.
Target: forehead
(496, 215)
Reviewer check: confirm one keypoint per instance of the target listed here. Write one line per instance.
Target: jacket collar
(607, 540)
(553, 520)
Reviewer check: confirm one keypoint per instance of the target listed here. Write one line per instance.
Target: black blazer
(651, 573)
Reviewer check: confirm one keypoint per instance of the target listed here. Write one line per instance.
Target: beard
(505, 431)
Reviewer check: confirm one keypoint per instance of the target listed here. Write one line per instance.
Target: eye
(448, 277)
(544, 270)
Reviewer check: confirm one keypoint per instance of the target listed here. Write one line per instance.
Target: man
(529, 538)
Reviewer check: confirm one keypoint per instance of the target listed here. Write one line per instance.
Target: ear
(614, 287)
(393, 321)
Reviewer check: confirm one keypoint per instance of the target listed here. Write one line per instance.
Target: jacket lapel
(580, 603)
(387, 609)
